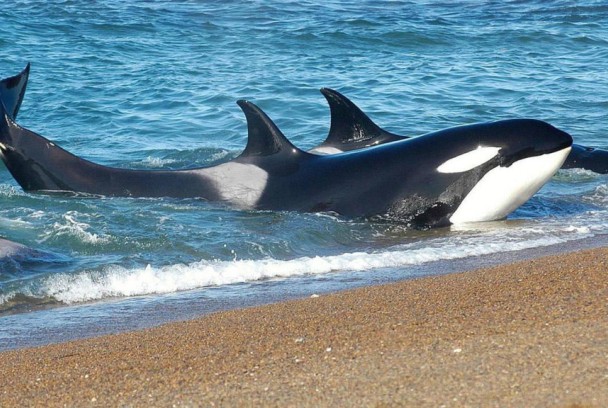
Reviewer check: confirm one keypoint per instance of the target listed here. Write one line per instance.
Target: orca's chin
(503, 189)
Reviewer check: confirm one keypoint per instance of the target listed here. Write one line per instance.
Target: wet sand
(533, 333)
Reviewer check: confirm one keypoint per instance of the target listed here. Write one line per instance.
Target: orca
(12, 91)
(12, 253)
(351, 129)
(588, 158)
(16, 257)
(477, 172)
(10, 249)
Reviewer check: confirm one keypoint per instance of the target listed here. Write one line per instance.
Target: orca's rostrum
(469, 173)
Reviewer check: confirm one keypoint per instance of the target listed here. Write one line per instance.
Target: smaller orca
(9, 249)
(588, 158)
(12, 91)
(16, 257)
(352, 129)
(13, 252)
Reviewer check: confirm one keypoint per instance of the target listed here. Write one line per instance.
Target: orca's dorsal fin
(12, 91)
(264, 137)
(351, 128)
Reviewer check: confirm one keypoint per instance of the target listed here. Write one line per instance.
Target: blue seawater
(152, 85)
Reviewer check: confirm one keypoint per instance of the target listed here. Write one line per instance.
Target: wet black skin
(396, 176)
(588, 158)
(400, 179)
(12, 90)
(397, 179)
(39, 165)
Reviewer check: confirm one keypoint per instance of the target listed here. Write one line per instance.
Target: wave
(117, 281)
(71, 228)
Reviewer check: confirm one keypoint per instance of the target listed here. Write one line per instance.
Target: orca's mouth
(507, 159)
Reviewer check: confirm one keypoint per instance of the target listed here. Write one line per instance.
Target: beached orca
(469, 173)
(12, 90)
(351, 129)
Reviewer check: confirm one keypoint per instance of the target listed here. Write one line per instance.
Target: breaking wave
(118, 281)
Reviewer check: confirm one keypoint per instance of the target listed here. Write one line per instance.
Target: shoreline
(50, 325)
(531, 333)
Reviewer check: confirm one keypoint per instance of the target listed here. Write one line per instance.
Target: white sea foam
(115, 281)
(72, 227)
(7, 191)
(157, 161)
(14, 223)
(599, 196)
(5, 298)
(580, 230)
(221, 155)
(576, 175)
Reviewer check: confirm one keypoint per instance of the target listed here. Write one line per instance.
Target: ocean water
(153, 85)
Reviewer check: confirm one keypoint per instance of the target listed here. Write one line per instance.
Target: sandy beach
(533, 333)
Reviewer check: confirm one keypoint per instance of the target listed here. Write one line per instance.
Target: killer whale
(588, 158)
(15, 257)
(9, 249)
(13, 253)
(468, 173)
(351, 129)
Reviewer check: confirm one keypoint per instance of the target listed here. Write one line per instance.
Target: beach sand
(533, 333)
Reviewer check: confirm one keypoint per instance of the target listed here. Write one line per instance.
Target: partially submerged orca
(14, 253)
(9, 249)
(588, 158)
(16, 257)
(469, 173)
(352, 129)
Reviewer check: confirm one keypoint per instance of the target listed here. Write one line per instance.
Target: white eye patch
(468, 161)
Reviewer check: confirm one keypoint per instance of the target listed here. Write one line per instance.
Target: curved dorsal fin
(264, 137)
(12, 90)
(351, 128)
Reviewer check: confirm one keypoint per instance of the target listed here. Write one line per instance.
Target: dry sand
(534, 333)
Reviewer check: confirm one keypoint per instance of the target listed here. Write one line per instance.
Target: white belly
(504, 189)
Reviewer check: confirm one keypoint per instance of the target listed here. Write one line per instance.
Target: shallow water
(152, 85)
